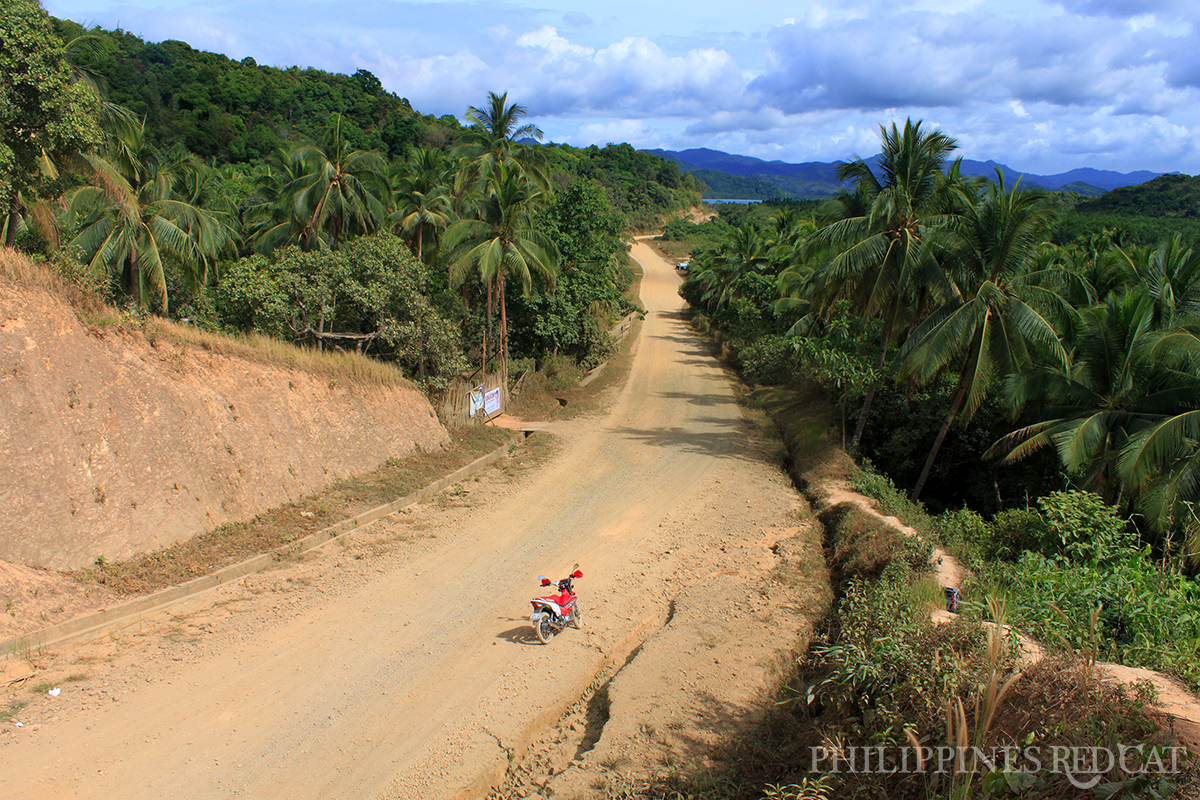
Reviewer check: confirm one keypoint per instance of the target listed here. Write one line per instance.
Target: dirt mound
(115, 444)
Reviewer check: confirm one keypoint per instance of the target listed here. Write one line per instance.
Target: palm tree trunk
(487, 336)
(503, 335)
(135, 277)
(955, 405)
(885, 340)
(10, 223)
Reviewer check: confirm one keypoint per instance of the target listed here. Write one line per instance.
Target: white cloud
(547, 38)
(1052, 84)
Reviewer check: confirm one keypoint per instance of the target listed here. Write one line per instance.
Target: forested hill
(1165, 196)
(734, 176)
(1141, 214)
(239, 111)
(315, 207)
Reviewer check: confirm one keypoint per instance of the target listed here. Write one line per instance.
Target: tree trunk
(135, 276)
(503, 335)
(955, 405)
(487, 336)
(885, 340)
(10, 222)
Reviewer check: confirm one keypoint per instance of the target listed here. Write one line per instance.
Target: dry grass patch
(53, 277)
(861, 543)
(338, 368)
(67, 280)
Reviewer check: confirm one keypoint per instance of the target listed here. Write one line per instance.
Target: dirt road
(401, 664)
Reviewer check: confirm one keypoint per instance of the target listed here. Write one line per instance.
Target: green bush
(561, 372)
(1146, 617)
(1016, 530)
(965, 533)
(1085, 528)
(768, 361)
(877, 674)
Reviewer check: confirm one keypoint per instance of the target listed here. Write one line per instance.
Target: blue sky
(1041, 86)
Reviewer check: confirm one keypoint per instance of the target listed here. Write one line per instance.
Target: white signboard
(491, 402)
(476, 401)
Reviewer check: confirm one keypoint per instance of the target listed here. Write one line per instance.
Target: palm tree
(1170, 274)
(132, 222)
(787, 231)
(1162, 462)
(1112, 390)
(743, 253)
(1085, 272)
(268, 217)
(339, 191)
(503, 242)
(882, 253)
(422, 202)
(986, 329)
(494, 139)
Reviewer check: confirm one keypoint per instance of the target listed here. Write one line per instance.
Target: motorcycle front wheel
(543, 628)
(576, 622)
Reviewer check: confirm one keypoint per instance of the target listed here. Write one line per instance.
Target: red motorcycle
(553, 613)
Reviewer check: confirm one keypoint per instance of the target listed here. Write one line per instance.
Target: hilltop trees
(42, 110)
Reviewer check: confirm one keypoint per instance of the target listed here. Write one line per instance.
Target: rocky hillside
(117, 440)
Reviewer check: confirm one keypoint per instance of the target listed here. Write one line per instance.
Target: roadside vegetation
(973, 361)
(1025, 397)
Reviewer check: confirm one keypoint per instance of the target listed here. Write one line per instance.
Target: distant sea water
(715, 200)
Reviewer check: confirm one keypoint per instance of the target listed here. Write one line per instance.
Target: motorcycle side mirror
(576, 574)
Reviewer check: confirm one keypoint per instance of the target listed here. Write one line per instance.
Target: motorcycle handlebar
(576, 575)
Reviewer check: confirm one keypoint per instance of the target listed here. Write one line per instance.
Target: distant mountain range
(731, 177)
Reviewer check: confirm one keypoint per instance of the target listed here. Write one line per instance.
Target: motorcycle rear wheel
(576, 621)
(544, 628)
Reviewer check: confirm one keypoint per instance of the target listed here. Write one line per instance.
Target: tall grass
(61, 277)
(65, 280)
(335, 366)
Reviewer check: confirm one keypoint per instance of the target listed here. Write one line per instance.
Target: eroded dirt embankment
(113, 445)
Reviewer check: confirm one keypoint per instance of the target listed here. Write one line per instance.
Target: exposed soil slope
(112, 445)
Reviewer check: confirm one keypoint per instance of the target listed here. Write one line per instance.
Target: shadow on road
(705, 400)
(704, 362)
(522, 634)
(726, 444)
